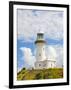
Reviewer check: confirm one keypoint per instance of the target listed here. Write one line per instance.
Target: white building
(41, 60)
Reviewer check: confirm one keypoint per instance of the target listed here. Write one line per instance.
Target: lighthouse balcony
(40, 41)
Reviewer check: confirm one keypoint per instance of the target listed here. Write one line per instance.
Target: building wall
(39, 65)
(40, 52)
(51, 64)
(45, 64)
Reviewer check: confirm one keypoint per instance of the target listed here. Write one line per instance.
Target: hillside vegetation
(51, 73)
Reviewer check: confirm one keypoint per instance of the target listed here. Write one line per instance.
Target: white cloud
(31, 21)
(51, 53)
(60, 55)
(55, 52)
(28, 57)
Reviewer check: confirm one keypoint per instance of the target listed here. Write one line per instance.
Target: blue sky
(29, 23)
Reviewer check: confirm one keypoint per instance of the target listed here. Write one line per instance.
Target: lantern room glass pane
(40, 36)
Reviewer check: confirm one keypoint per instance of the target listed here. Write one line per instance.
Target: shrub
(39, 76)
(45, 76)
(24, 68)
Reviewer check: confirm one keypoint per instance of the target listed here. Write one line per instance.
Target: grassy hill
(51, 73)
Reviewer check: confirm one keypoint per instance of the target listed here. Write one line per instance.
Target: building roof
(40, 31)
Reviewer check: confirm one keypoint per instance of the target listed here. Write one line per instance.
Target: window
(39, 64)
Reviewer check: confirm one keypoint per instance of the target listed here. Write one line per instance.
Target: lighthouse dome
(40, 31)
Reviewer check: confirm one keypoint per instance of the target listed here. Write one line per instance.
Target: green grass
(51, 73)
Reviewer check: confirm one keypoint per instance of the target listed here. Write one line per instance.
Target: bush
(39, 76)
(45, 76)
(24, 68)
(51, 73)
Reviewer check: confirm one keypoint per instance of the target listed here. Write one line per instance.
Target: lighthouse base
(45, 64)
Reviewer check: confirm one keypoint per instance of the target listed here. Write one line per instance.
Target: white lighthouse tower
(40, 47)
(41, 59)
(40, 50)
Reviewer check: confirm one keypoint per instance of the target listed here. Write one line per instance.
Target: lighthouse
(40, 47)
(40, 50)
(42, 62)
